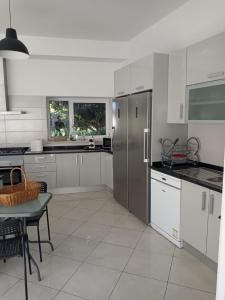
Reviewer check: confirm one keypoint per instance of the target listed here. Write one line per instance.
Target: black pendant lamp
(10, 46)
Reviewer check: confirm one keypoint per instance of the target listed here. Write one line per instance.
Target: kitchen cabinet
(122, 81)
(67, 170)
(107, 169)
(90, 173)
(200, 223)
(177, 87)
(214, 225)
(40, 167)
(48, 177)
(194, 215)
(206, 60)
(141, 74)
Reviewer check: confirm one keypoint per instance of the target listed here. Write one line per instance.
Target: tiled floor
(103, 252)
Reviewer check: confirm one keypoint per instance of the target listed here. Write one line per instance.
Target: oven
(6, 165)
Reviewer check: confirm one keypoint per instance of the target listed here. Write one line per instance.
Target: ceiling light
(10, 46)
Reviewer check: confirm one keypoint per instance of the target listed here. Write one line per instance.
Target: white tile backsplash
(212, 141)
(20, 130)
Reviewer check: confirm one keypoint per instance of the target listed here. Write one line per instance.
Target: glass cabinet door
(206, 101)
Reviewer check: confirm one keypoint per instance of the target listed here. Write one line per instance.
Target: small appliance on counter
(91, 144)
(107, 143)
(36, 146)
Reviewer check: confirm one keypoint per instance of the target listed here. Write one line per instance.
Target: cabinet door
(67, 170)
(90, 165)
(109, 170)
(48, 177)
(165, 208)
(122, 81)
(177, 87)
(206, 60)
(214, 225)
(103, 168)
(142, 74)
(194, 215)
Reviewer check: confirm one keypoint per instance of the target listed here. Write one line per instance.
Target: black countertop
(157, 166)
(68, 149)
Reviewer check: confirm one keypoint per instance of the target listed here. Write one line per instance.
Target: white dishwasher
(165, 206)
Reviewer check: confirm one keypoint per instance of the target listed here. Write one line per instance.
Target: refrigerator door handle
(146, 158)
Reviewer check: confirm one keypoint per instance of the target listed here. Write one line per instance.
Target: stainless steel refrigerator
(131, 153)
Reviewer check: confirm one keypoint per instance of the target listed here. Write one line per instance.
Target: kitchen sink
(203, 174)
(218, 179)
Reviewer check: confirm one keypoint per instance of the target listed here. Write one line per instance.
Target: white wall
(36, 77)
(212, 140)
(194, 21)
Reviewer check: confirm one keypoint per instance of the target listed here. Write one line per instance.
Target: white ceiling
(115, 20)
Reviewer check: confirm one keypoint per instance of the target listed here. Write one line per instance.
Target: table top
(27, 209)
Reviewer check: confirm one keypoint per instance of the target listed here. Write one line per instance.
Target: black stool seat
(10, 247)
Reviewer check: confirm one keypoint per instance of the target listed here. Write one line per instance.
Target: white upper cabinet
(177, 86)
(206, 60)
(141, 74)
(122, 81)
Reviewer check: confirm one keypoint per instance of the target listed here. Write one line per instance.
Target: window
(89, 119)
(69, 117)
(58, 119)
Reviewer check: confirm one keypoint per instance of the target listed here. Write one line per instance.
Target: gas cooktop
(13, 151)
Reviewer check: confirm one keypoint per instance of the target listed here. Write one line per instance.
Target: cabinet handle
(81, 159)
(140, 87)
(211, 205)
(76, 160)
(217, 74)
(146, 159)
(203, 200)
(41, 176)
(163, 191)
(181, 111)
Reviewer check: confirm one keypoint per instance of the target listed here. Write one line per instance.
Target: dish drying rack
(175, 154)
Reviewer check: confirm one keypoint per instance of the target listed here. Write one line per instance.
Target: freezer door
(120, 189)
(139, 112)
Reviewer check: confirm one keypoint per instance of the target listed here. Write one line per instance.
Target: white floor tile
(76, 248)
(55, 271)
(65, 296)
(111, 256)
(91, 204)
(138, 288)
(65, 226)
(175, 292)
(92, 231)
(35, 292)
(156, 243)
(131, 222)
(123, 237)
(92, 282)
(192, 273)
(6, 282)
(78, 213)
(105, 218)
(149, 264)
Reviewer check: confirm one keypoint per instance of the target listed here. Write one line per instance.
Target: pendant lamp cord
(10, 17)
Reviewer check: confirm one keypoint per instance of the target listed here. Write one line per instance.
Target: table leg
(24, 258)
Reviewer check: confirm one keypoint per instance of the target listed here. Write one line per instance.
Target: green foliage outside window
(59, 118)
(89, 119)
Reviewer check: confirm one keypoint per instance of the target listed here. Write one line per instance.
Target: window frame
(71, 101)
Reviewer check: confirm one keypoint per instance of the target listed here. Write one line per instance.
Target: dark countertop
(68, 149)
(157, 166)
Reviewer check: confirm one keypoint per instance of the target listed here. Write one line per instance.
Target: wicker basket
(19, 193)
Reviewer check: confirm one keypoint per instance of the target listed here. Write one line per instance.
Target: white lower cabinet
(48, 177)
(90, 173)
(200, 209)
(214, 225)
(67, 170)
(107, 169)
